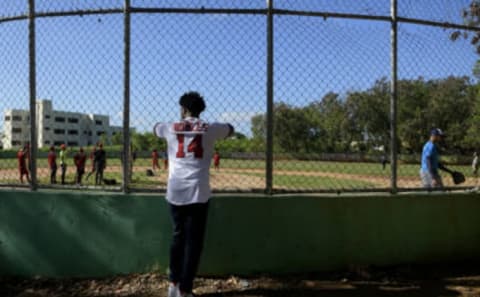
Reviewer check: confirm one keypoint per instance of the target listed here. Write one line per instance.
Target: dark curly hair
(193, 102)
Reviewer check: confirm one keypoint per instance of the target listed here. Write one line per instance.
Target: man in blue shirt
(431, 161)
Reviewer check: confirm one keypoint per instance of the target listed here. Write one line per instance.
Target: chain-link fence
(325, 96)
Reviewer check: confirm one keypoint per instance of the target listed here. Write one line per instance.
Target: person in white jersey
(190, 148)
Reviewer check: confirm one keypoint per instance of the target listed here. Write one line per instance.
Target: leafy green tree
(117, 139)
(471, 17)
(290, 128)
(369, 111)
(139, 141)
(414, 118)
(258, 126)
(471, 141)
(328, 125)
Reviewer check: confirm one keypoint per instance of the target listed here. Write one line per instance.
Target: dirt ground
(240, 178)
(447, 280)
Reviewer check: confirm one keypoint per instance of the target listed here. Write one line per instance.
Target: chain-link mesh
(13, 8)
(76, 5)
(331, 84)
(14, 92)
(199, 4)
(79, 91)
(324, 70)
(443, 11)
(435, 90)
(373, 8)
(220, 56)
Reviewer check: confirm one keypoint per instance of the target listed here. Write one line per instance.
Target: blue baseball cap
(437, 132)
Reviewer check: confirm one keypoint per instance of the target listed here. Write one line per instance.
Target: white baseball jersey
(190, 150)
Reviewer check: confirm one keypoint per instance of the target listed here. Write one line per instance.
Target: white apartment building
(56, 127)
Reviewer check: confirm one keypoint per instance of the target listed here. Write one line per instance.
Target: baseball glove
(458, 177)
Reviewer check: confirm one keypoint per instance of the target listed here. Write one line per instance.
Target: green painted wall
(83, 234)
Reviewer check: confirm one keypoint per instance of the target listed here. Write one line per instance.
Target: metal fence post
(269, 119)
(126, 100)
(393, 97)
(33, 94)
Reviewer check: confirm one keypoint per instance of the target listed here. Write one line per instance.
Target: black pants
(53, 174)
(189, 223)
(99, 167)
(80, 173)
(64, 171)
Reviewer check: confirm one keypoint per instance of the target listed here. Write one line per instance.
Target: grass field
(250, 174)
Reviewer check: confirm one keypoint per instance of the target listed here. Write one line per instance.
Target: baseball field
(249, 175)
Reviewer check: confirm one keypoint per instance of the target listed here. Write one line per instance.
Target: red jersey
(52, 159)
(216, 158)
(155, 155)
(80, 159)
(22, 160)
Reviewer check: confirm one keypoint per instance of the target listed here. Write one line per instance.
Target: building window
(85, 132)
(72, 132)
(72, 143)
(16, 142)
(59, 131)
(60, 119)
(89, 133)
(47, 116)
(47, 142)
(47, 129)
(17, 130)
(98, 122)
(100, 133)
(7, 118)
(16, 118)
(58, 143)
(73, 120)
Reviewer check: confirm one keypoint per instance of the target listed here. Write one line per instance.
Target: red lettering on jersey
(195, 146)
(180, 152)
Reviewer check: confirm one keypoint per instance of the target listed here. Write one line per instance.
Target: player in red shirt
(216, 160)
(22, 157)
(155, 159)
(52, 164)
(80, 159)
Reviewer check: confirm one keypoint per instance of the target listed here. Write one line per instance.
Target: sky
(80, 59)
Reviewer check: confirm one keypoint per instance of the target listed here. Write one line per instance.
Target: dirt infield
(246, 179)
(401, 281)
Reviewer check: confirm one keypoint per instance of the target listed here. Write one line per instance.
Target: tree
(328, 124)
(471, 17)
(117, 139)
(139, 141)
(333, 124)
(290, 128)
(413, 116)
(259, 128)
(368, 114)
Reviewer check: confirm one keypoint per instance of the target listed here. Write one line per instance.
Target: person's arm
(160, 129)
(442, 167)
(221, 131)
